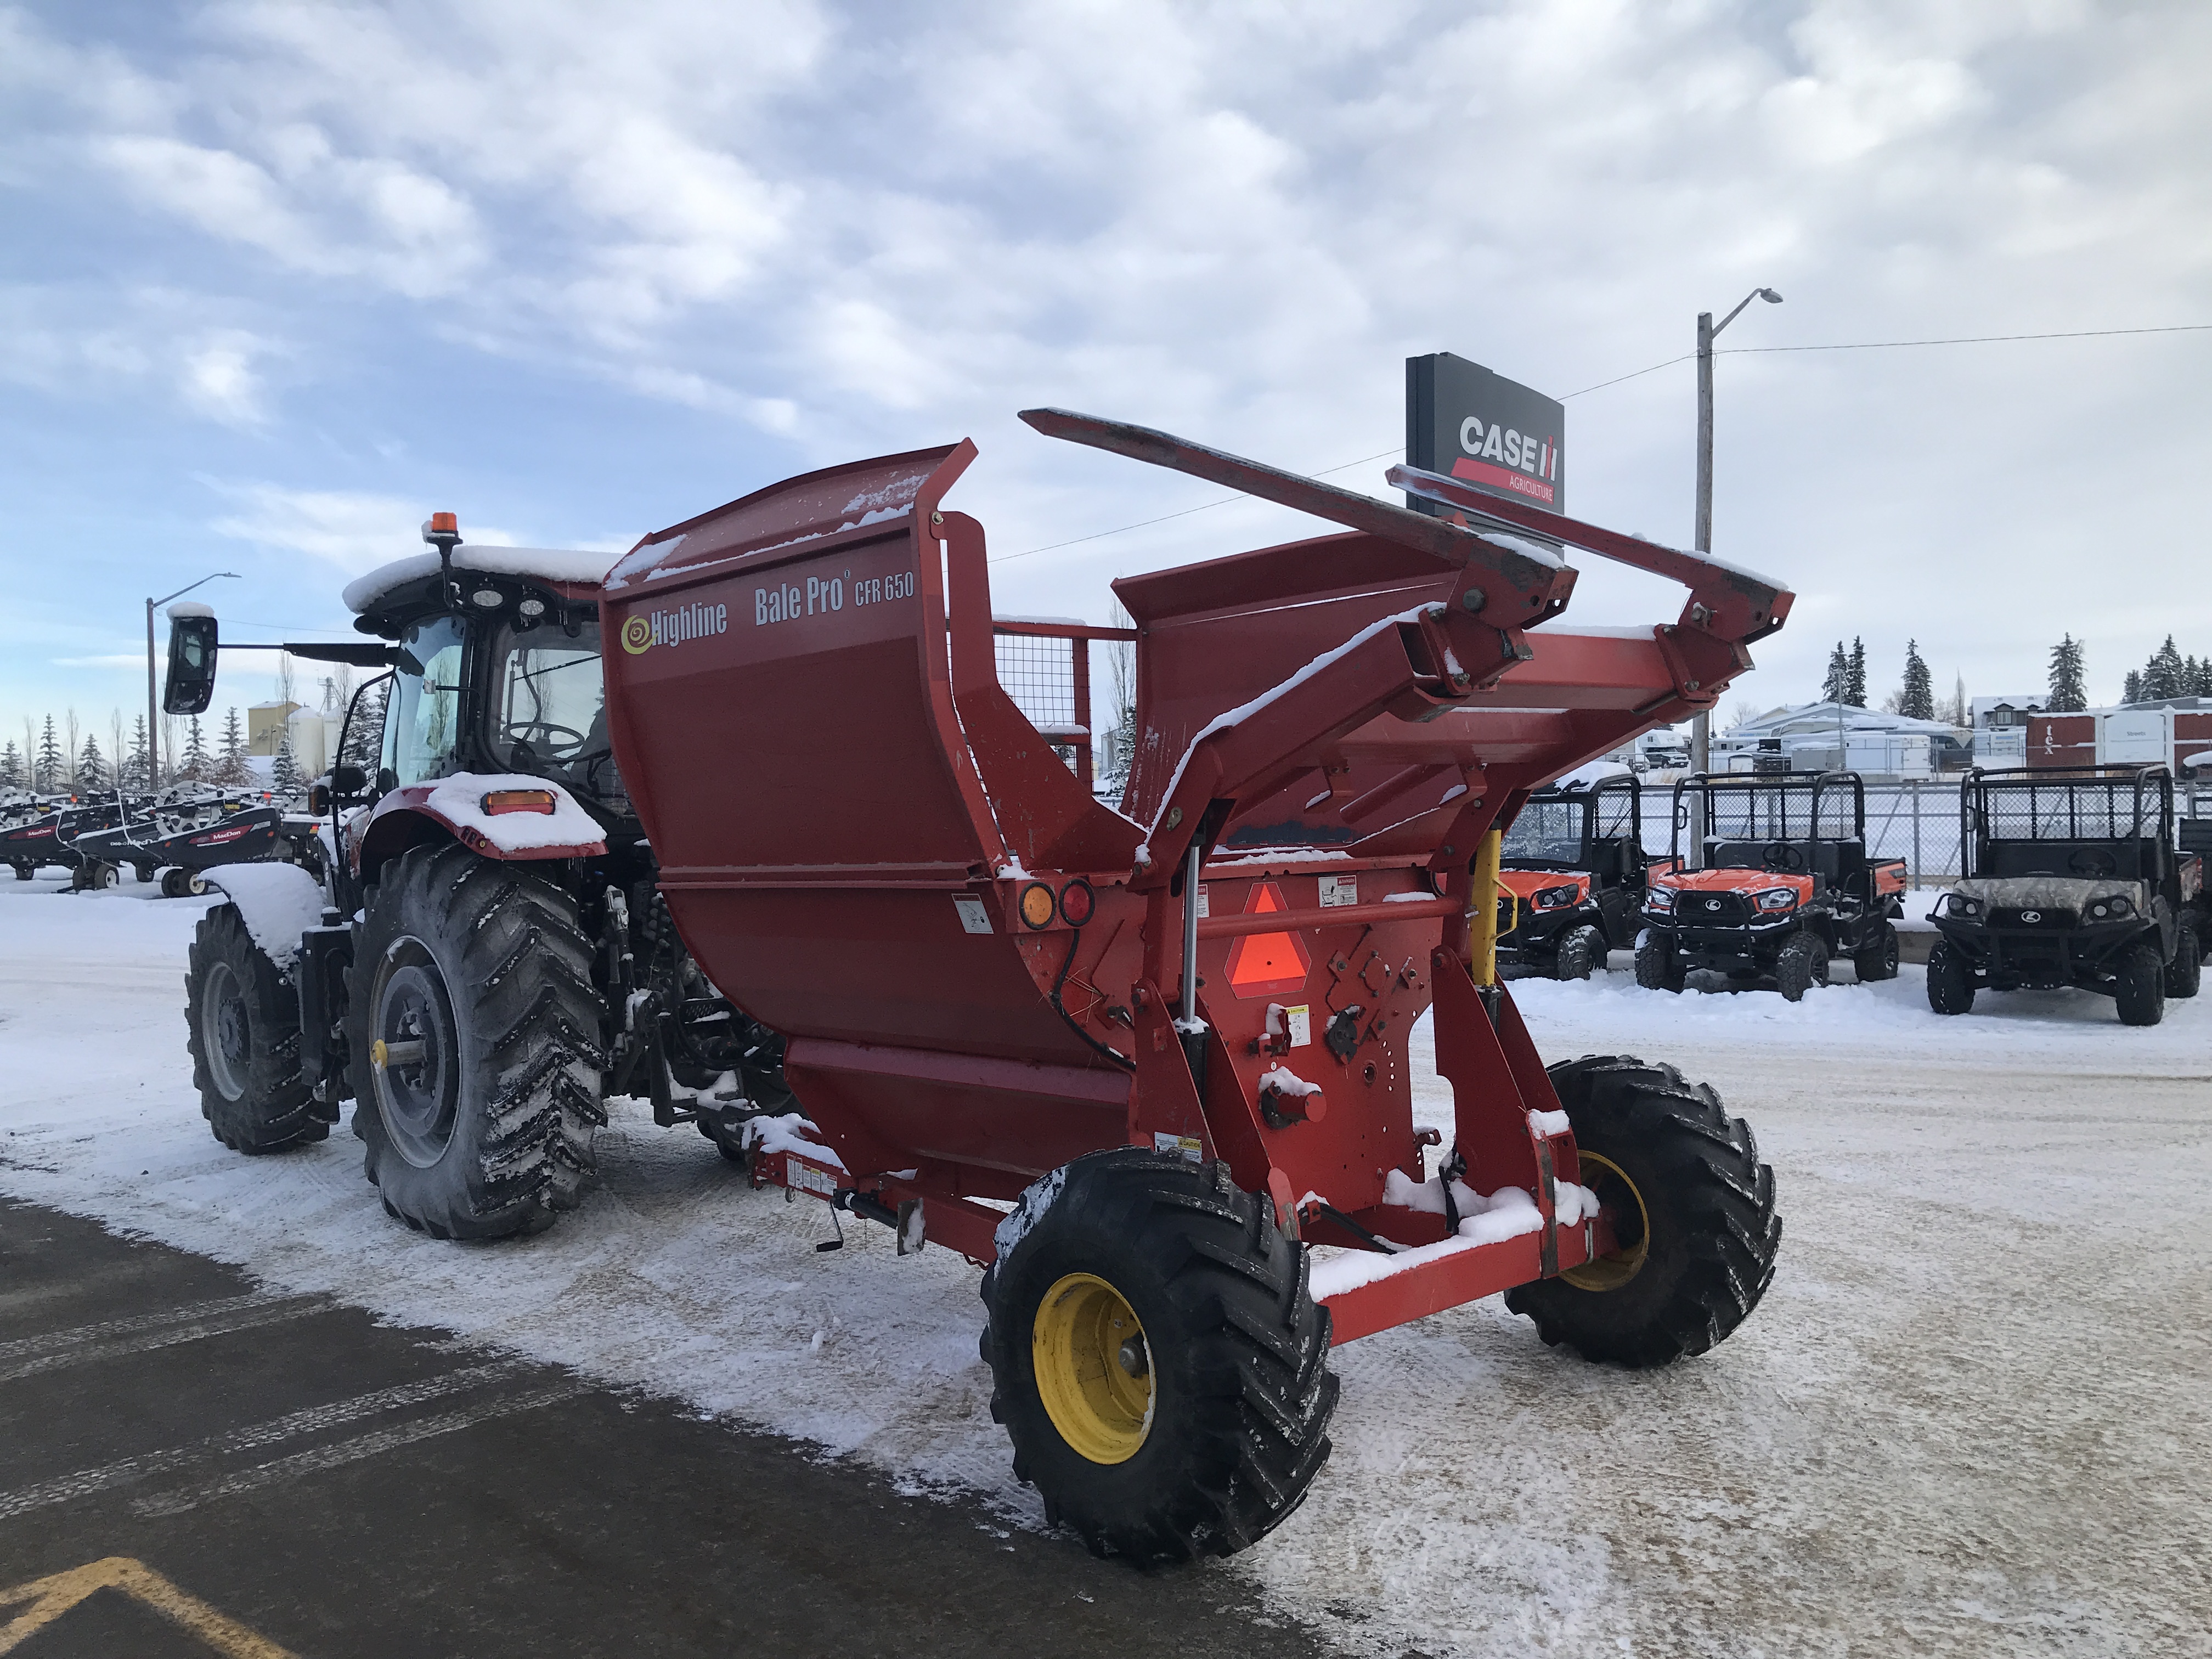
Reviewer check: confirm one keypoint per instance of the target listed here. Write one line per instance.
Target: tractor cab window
(549, 708)
(421, 721)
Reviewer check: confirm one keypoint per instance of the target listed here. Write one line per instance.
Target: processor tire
(1156, 1357)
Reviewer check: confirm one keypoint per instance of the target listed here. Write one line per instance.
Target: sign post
(1464, 421)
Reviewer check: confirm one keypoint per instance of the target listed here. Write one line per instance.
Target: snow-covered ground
(1970, 1417)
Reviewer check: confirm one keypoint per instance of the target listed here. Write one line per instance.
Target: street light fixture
(1701, 724)
(153, 703)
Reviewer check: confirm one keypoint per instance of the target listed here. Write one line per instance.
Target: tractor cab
(1570, 877)
(1785, 884)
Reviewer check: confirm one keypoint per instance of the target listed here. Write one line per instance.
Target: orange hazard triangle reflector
(1267, 964)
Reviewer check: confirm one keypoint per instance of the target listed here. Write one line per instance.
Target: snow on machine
(1571, 877)
(2072, 876)
(1148, 1067)
(1785, 885)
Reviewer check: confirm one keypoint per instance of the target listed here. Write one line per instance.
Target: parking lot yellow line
(50, 1598)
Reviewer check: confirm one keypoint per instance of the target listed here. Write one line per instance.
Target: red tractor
(1784, 887)
(1147, 1067)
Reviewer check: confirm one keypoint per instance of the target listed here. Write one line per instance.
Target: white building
(1817, 736)
(2001, 728)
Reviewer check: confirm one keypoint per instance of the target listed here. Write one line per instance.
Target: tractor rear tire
(1580, 950)
(1696, 1227)
(1802, 964)
(1207, 1424)
(1658, 967)
(242, 1024)
(1877, 954)
(2140, 994)
(2186, 971)
(488, 1131)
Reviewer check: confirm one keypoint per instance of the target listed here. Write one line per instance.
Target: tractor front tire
(1581, 950)
(1695, 1228)
(1156, 1358)
(475, 1034)
(1802, 964)
(1657, 966)
(2140, 994)
(1876, 957)
(242, 1023)
(24, 871)
(2186, 971)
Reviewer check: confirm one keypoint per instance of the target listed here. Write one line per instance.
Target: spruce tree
(1918, 701)
(51, 767)
(196, 766)
(92, 766)
(1855, 683)
(2162, 676)
(2131, 689)
(2068, 693)
(139, 770)
(1837, 686)
(11, 766)
(230, 768)
(284, 776)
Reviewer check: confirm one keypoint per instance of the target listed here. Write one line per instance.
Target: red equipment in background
(984, 973)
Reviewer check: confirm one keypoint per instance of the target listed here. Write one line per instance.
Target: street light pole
(153, 701)
(1701, 723)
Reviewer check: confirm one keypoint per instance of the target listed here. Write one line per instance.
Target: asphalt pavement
(190, 1463)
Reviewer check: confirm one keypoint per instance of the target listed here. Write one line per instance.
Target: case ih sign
(1463, 420)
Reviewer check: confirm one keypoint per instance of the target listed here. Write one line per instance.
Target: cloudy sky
(279, 279)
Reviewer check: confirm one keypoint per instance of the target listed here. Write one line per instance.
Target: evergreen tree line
(50, 762)
(2168, 674)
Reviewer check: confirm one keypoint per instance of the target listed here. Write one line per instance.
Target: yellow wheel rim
(1094, 1368)
(1610, 1273)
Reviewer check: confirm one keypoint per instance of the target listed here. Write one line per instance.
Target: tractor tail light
(499, 801)
(1038, 904)
(1076, 902)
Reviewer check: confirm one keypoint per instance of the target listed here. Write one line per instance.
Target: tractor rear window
(421, 723)
(550, 707)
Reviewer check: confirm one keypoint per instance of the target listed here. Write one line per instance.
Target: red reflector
(1076, 902)
(1267, 964)
(518, 800)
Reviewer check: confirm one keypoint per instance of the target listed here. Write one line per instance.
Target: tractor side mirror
(189, 686)
(318, 798)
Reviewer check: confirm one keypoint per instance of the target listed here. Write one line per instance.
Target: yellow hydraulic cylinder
(1482, 898)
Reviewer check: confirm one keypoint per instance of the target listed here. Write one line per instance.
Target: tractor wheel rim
(1094, 1368)
(1617, 1194)
(226, 1032)
(419, 1099)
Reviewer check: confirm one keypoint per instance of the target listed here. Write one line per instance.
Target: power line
(1201, 507)
(1729, 351)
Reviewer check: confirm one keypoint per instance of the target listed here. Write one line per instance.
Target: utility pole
(1701, 723)
(153, 701)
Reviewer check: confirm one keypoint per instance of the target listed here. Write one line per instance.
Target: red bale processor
(1174, 1037)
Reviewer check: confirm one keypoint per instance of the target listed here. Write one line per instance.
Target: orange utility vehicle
(1786, 885)
(1570, 883)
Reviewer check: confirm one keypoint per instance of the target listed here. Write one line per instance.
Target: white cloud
(354, 532)
(867, 230)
